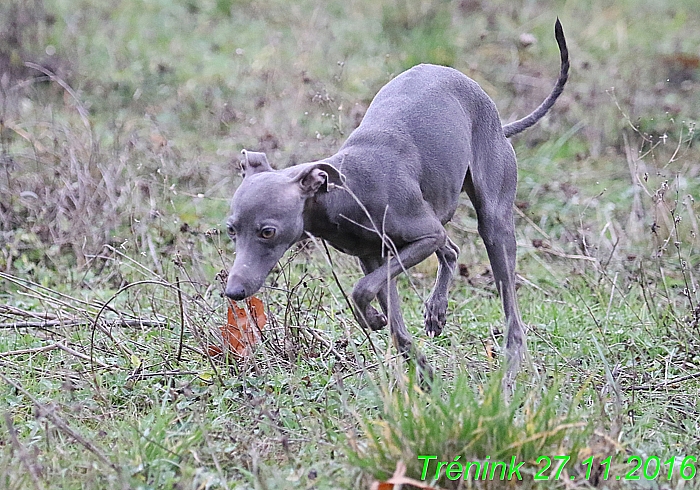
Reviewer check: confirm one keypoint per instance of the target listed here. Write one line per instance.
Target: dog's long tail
(536, 115)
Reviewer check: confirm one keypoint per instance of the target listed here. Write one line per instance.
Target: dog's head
(267, 216)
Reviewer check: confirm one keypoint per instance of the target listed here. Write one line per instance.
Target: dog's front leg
(390, 303)
(380, 283)
(369, 286)
(391, 306)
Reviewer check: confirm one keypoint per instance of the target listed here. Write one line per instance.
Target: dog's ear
(254, 162)
(316, 176)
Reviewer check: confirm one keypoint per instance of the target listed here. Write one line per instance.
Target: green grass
(115, 176)
(423, 429)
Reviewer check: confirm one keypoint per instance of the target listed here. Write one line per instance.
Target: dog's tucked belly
(353, 239)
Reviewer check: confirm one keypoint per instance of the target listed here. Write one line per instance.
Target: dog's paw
(372, 319)
(426, 373)
(375, 319)
(435, 316)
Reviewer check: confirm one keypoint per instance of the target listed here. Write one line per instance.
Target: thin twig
(14, 311)
(564, 255)
(41, 294)
(97, 324)
(81, 108)
(342, 291)
(33, 350)
(50, 414)
(82, 356)
(22, 453)
(212, 452)
(665, 384)
(158, 374)
(182, 319)
(77, 323)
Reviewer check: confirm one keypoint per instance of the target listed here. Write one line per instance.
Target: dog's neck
(326, 214)
(316, 219)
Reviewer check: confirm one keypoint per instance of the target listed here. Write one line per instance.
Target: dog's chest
(349, 237)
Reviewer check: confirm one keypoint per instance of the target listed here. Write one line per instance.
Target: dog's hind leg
(493, 201)
(499, 237)
(436, 305)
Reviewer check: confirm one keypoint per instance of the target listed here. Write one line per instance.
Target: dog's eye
(231, 232)
(267, 232)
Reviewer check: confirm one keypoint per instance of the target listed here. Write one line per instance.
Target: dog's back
(423, 131)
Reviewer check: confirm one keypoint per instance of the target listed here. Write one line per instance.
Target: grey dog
(386, 195)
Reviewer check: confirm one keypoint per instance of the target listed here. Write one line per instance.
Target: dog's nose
(235, 291)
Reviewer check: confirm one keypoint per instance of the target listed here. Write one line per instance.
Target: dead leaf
(158, 140)
(399, 478)
(214, 350)
(488, 345)
(377, 485)
(242, 330)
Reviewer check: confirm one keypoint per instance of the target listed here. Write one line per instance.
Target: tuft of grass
(457, 421)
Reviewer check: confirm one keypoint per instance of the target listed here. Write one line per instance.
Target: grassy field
(121, 126)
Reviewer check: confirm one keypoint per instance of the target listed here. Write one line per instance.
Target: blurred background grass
(173, 90)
